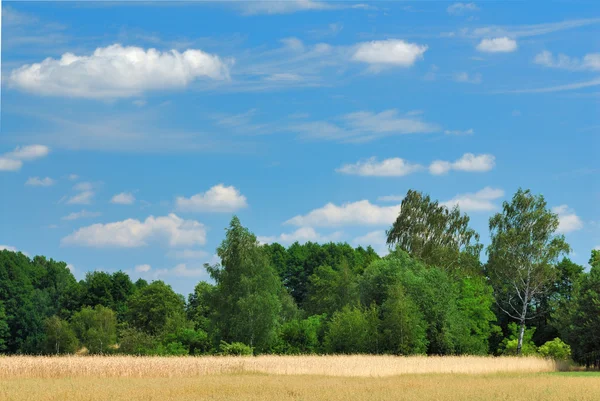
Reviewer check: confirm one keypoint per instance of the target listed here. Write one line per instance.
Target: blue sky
(132, 132)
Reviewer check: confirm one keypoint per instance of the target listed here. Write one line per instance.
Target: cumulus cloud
(116, 71)
(143, 268)
(301, 235)
(568, 220)
(217, 199)
(355, 213)
(469, 131)
(132, 233)
(124, 198)
(394, 167)
(40, 182)
(497, 45)
(81, 215)
(391, 52)
(13, 161)
(375, 239)
(480, 201)
(468, 162)
(462, 8)
(589, 62)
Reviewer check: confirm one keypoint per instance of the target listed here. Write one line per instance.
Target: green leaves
(433, 233)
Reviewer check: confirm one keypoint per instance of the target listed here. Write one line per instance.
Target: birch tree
(523, 254)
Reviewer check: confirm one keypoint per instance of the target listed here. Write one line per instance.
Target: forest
(438, 292)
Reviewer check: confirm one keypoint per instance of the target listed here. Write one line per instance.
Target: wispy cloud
(40, 182)
(360, 213)
(481, 201)
(462, 8)
(13, 161)
(558, 88)
(394, 167)
(589, 62)
(80, 215)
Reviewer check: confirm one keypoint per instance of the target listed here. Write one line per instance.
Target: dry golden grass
(255, 387)
(190, 367)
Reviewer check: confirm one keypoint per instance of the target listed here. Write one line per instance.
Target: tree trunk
(521, 335)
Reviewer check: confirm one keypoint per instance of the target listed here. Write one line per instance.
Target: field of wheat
(290, 378)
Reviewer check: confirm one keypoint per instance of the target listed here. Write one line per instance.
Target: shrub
(510, 343)
(556, 349)
(235, 348)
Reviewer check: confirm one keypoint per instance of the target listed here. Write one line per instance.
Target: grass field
(292, 378)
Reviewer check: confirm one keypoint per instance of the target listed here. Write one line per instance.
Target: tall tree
(153, 307)
(60, 338)
(434, 234)
(523, 253)
(247, 290)
(96, 328)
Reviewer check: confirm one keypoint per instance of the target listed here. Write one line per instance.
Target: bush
(556, 349)
(508, 346)
(235, 348)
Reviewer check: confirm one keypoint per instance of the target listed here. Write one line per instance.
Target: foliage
(434, 234)
(523, 254)
(301, 336)
(555, 349)
(352, 330)
(95, 328)
(247, 303)
(235, 348)
(60, 338)
(403, 325)
(150, 308)
(509, 345)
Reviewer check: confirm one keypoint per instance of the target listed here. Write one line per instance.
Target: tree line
(432, 294)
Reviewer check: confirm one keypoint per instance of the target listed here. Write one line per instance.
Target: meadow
(291, 378)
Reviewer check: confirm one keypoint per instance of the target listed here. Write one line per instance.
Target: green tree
(95, 328)
(247, 293)
(4, 330)
(353, 330)
(522, 255)
(121, 289)
(330, 290)
(60, 339)
(434, 234)
(198, 308)
(582, 327)
(97, 289)
(403, 325)
(153, 307)
(301, 336)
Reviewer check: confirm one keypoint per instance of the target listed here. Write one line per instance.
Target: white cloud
(71, 268)
(116, 71)
(124, 198)
(497, 45)
(85, 194)
(82, 198)
(143, 268)
(133, 233)
(12, 249)
(13, 161)
(394, 167)
(283, 6)
(301, 235)
(376, 239)
(558, 88)
(354, 213)
(81, 215)
(590, 61)
(284, 77)
(462, 8)
(292, 43)
(391, 52)
(480, 201)
(468, 162)
(464, 77)
(365, 126)
(217, 199)
(391, 198)
(139, 102)
(568, 220)
(469, 131)
(188, 254)
(40, 182)
(73, 177)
